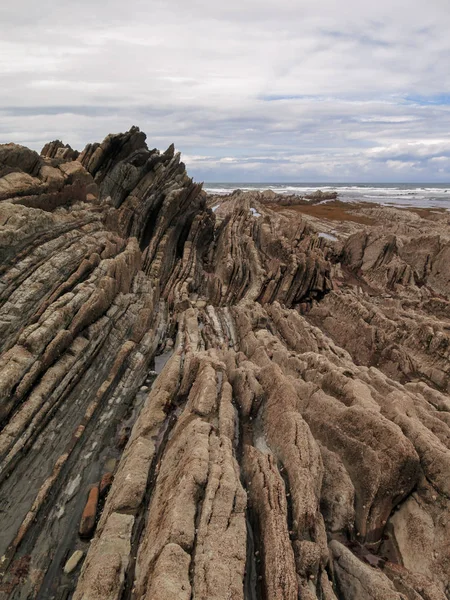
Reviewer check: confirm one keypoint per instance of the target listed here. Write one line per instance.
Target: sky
(248, 90)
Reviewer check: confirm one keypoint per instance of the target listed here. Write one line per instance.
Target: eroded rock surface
(228, 403)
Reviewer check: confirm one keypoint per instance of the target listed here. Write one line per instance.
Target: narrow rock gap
(198, 515)
(292, 530)
(329, 570)
(254, 588)
(252, 582)
(150, 221)
(182, 239)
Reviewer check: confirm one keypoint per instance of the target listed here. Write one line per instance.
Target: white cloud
(282, 89)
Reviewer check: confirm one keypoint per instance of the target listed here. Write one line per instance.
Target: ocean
(420, 195)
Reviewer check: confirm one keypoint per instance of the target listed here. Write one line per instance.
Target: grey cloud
(252, 88)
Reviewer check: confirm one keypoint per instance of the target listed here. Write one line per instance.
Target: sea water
(420, 195)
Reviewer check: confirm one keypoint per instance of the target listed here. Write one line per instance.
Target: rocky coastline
(226, 397)
(270, 197)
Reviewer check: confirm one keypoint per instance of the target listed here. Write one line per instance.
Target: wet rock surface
(204, 398)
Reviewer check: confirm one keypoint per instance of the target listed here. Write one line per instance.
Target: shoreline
(410, 196)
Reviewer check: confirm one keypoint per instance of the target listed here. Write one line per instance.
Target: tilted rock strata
(271, 197)
(296, 440)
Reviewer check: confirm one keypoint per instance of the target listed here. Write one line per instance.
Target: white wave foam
(418, 196)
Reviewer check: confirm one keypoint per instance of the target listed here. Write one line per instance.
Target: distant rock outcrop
(58, 150)
(204, 398)
(271, 197)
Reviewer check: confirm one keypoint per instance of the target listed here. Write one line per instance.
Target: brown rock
(103, 573)
(59, 150)
(88, 518)
(171, 575)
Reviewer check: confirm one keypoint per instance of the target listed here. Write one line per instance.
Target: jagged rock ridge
(231, 404)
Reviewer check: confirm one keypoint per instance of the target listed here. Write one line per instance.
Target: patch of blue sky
(433, 100)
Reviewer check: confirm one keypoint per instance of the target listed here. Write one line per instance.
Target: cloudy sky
(248, 90)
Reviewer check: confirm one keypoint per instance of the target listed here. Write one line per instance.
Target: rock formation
(270, 197)
(231, 402)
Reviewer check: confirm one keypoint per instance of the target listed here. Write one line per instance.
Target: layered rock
(60, 151)
(270, 197)
(227, 403)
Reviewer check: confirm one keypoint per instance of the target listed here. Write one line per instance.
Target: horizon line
(330, 182)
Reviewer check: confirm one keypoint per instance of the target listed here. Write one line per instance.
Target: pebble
(144, 388)
(73, 561)
(87, 524)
